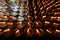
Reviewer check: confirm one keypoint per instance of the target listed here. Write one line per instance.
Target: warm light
(3, 23)
(55, 23)
(0, 29)
(44, 16)
(11, 17)
(58, 31)
(17, 31)
(4, 16)
(9, 23)
(47, 22)
(37, 31)
(58, 17)
(48, 31)
(27, 30)
(6, 30)
(37, 23)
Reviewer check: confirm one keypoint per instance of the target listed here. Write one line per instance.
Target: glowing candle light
(1, 32)
(47, 23)
(7, 32)
(28, 32)
(17, 33)
(38, 32)
(57, 32)
(49, 32)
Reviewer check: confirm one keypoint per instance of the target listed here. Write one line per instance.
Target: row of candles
(35, 25)
(48, 24)
(29, 32)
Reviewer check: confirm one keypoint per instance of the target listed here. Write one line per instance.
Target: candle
(28, 32)
(53, 18)
(3, 24)
(29, 24)
(49, 32)
(17, 33)
(1, 32)
(38, 32)
(57, 13)
(12, 18)
(44, 17)
(38, 24)
(56, 24)
(58, 18)
(47, 23)
(20, 24)
(10, 23)
(4, 18)
(57, 32)
(7, 32)
(29, 18)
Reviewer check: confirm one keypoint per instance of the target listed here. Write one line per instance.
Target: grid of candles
(43, 17)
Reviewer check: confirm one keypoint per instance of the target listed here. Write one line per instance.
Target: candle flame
(48, 31)
(17, 31)
(58, 31)
(6, 30)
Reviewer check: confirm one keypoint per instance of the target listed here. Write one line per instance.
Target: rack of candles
(31, 18)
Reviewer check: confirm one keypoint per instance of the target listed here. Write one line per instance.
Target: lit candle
(47, 23)
(28, 32)
(17, 33)
(37, 24)
(12, 18)
(57, 13)
(20, 24)
(57, 32)
(56, 24)
(38, 32)
(4, 18)
(10, 23)
(7, 32)
(49, 32)
(3, 24)
(53, 18)
(58, 18)
(44, 17)
(29, 18)
(1, 32)
(29, 24)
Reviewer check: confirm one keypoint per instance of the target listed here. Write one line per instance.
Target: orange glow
(47, 22)
(48, 31)
(44, 16)
(57, 30)
(17, 31)
(58, 17)
(6, 30)
(0, 29)
(53, 17)
(3, 23)
(9, 23)
(37, 23)
(37, 30)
